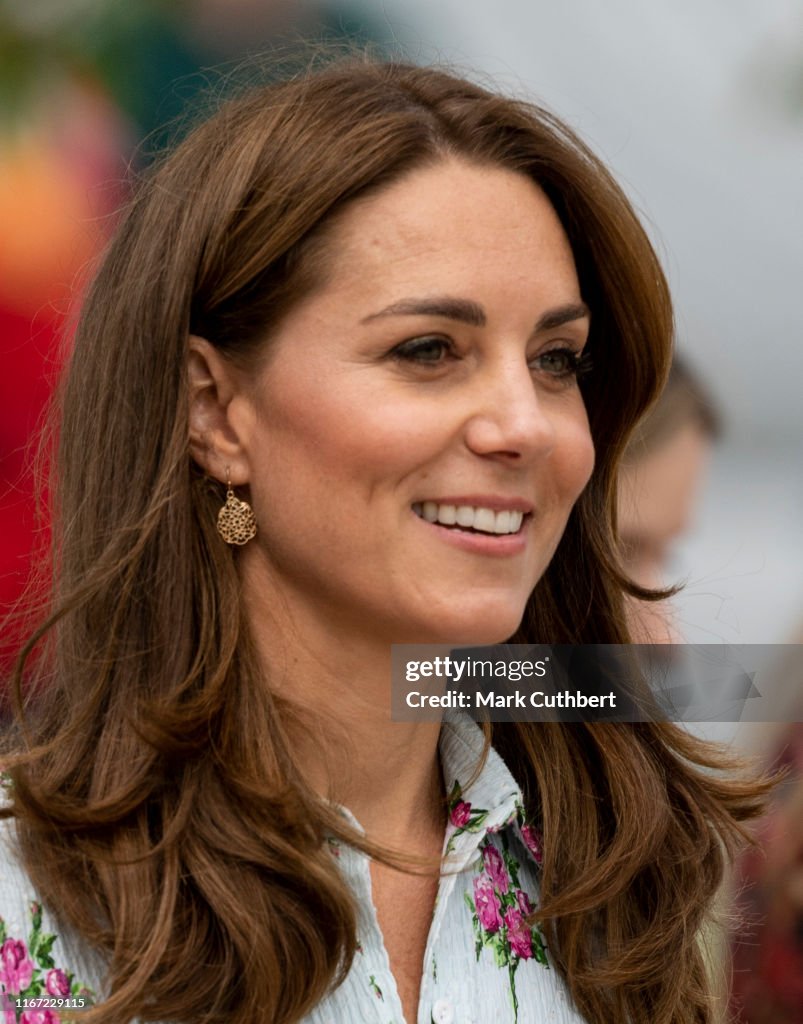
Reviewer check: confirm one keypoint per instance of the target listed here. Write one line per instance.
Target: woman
(353, 316)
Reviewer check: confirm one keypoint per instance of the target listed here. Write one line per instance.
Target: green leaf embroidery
(43, 957)
(501, 950)
(513, 998)
(539, 949)
(512, 868)
(476, 816)
(36, 988)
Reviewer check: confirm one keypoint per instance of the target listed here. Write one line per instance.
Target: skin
(340, 432)
(656, 501)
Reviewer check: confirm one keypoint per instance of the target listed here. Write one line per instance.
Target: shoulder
(38, 959)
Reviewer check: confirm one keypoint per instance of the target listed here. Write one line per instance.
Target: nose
(510, 419)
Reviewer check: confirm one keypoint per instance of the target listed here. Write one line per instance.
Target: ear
(218, 414)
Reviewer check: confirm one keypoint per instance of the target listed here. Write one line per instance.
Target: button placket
(376, 964)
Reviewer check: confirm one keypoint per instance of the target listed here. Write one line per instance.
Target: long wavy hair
(159, 807)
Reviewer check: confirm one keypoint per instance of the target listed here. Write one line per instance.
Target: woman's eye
(561, 363)
(423, 350)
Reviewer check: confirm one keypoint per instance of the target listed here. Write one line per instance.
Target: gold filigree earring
(236, 522)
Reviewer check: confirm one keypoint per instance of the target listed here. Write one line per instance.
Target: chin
(484, 628)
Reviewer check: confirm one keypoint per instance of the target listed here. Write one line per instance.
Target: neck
(339, 681)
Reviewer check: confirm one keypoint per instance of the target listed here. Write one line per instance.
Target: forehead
(454, 219)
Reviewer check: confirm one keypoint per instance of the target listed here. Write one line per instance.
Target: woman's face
(415, 437)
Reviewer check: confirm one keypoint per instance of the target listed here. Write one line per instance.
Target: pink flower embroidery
(523, 901)
(462, 816)
(27, 971)
(495, 867)
(57, 983)
(499, 908)
(460, 813)
(17, 969)
(9, 1014)
(518, 934)
(532, 839)
(487, 903)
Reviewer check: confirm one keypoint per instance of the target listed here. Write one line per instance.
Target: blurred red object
(60, 179)
(767, 952)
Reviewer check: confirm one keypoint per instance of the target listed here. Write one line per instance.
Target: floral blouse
(483, 964)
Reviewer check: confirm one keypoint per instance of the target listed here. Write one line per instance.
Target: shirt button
(442, 1012)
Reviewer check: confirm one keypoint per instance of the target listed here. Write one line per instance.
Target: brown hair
(158, 803)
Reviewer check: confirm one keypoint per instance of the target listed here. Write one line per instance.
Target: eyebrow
(472, 313)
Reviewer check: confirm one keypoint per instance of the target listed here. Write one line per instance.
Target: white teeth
(485, 520)
(502, 523)
(430, 511)
(447, 514)
(465, 515)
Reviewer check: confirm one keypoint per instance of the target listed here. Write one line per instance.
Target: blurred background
(696, 105)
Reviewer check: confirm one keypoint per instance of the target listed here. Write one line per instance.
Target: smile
(471, 517)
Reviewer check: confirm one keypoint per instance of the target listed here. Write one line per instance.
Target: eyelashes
(426, 351)
(561, 363)
(570, 363)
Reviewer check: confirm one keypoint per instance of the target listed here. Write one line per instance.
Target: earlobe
(214, 442)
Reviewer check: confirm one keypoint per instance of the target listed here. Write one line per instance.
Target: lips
(478, 518)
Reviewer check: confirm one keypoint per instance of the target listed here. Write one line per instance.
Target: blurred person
(357, 369)
(662, 471)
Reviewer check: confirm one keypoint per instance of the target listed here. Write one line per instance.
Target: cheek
(378, 440)
(333, 443)
(574, 458)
